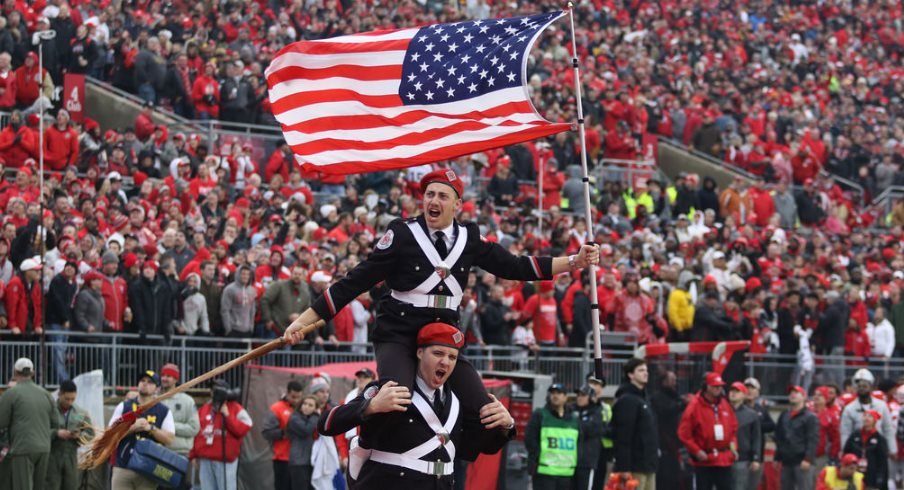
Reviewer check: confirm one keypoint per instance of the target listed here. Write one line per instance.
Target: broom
(103, 446)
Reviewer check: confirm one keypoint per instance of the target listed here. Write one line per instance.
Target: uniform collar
(426, 390)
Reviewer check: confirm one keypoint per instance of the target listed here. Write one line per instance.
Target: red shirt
(543, 312)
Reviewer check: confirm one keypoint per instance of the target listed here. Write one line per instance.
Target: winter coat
(60, 147)
(301, 431)
(873, 448)
(89, 310)
(852, 421)
(282, 299)
(238, 306)
(194, 312)
(833, 323)
(185, 417)
(786, 207)
(634, 431)
(147, 307)
(796, 437)
(711, 324)
(60, 300)
(680, 310)
(115, 292)
(750, 437)
(213, 295)
(23, 304)
(17, 145)
(592, 427)
(208, 442)
(697, 431)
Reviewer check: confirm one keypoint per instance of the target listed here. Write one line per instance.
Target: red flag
(394, 99)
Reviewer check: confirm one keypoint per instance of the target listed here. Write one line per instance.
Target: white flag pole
(594, 296)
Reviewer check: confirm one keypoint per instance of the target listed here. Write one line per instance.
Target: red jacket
(203, 87)
(115, 292)
(144, 127)
(8, 84)
(15, 153)
(28, 84)
(60, 147)
(829, 433)
(282, 411)
(18, 303)
(209, 440)
(697, 431)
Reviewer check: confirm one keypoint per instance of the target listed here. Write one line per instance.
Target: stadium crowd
(160, 234)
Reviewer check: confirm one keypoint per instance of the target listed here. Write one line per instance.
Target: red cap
(92, 275)
(714, 379)
(753, 283)
(824, 391)
(849, 459)
(150, 264)
(150, 249)
(739, 386)
(798, 389)
(443, 176)
(710, 279)
(546, 286)
(170, 369)
(874, 414)
(440, 334)
(139, 177)
(129, 260)
(242, 203)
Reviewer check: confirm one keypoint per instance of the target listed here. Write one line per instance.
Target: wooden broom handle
(248, 356)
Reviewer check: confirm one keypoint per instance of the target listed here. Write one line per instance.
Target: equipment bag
(158, 463)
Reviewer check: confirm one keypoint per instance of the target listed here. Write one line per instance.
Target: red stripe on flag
(364, 73)
(439, 154)
(413, 138)
(327, 47)
(298, 100)
(367, 121)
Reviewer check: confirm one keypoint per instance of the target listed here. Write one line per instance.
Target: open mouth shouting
(439, 376)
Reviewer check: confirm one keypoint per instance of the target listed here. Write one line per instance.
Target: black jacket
(61, 300)
(711, 324)
(796, 437)
(144, 300)
(397, 432)
(634, 431)
(750, 437)
(493, 326)
(592, 429)
(875, 451)
(832, 324)
(582, 324)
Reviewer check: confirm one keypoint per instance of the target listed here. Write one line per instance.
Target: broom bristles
(102, 447)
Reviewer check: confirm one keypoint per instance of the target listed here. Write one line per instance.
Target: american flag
(393, 99)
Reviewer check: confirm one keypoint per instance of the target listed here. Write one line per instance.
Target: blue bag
(158, 463)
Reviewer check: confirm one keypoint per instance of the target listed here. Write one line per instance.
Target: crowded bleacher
(146, 230)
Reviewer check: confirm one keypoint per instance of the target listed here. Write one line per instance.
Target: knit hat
(170, 369)
(317, 384)
(110, 258)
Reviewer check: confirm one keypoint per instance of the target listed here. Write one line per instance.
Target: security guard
(425, 262)
(552, 439)
(75, 427)
(409, 439)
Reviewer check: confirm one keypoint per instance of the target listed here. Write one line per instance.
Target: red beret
(440, 334)
(443, 176)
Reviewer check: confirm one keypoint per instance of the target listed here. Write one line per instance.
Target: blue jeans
(211, 473)
(58, 352)
(147, 92)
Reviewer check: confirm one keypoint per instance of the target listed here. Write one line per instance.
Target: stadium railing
(123, 356)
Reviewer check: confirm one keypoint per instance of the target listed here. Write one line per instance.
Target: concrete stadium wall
(675, 158)
(114, 111)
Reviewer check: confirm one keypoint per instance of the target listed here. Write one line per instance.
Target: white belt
(427, 300)
(436, 468)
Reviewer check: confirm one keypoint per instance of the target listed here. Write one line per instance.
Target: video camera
(221, 392)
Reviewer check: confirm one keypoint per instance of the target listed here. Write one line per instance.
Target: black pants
(583, 479)
(398, 361)
(710, 477)
(281, 477)
(301, 476)
(546, 482)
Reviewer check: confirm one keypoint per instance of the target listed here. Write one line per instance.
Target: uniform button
(417, 267)
(410, 421)
(437, 319)
(440, 288)
(462, 269)
(402, 314)
(401, 473)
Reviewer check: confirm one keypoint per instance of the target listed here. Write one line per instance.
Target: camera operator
(224, 423)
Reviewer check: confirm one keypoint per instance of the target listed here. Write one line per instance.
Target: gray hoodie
(194, 311)
(239, 304)
(786, 207)
(89, 310)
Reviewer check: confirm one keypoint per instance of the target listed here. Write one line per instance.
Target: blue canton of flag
(453, 62)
